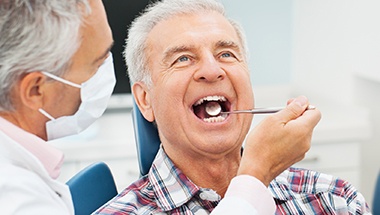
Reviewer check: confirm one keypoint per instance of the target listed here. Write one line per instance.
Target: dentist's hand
(279, 141)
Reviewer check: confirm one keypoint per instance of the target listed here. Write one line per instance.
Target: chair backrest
(147, 140)
(91, 188)
(376, 197)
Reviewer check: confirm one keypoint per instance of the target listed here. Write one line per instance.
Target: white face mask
(95, 93)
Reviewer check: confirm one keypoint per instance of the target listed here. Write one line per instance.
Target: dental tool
(261, 110)
(213, 108)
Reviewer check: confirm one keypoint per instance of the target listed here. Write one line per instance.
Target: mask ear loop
(62, 80)
(46, 114)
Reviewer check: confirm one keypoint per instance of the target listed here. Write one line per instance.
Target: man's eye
(183, 59)
(228, 57)
(227, 54)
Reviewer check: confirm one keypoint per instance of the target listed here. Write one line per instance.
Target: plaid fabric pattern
(300, 191)
(166, 190)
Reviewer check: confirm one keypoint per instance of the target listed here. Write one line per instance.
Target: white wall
(337, 55)
(323, 47)
(268, 26)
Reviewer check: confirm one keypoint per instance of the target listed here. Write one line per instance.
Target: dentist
(56, 76)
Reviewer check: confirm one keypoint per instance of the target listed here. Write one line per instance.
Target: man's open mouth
(210, 108)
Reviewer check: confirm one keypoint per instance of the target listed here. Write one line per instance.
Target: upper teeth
(210, 98)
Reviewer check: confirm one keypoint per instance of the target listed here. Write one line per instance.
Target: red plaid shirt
(166, 190)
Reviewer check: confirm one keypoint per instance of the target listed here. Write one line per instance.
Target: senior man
(56, 76)
(185, 56)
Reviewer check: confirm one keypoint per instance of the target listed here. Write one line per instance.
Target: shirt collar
(50, 157)
(171, 187)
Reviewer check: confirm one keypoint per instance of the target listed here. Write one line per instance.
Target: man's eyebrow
(228, 44)
(105, 53)
(176, 49)
(183, 48)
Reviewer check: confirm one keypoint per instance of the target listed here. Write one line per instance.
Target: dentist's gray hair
(135, 51)
(37, 35)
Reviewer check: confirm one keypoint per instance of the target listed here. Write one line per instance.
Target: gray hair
(37, 35)
(135, 51)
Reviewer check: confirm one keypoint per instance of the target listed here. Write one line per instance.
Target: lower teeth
(215, 119)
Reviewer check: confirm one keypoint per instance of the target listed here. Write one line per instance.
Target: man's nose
(210, 70)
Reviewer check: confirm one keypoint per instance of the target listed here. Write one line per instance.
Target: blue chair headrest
(376, 196)
(91, 188)
(147, 140)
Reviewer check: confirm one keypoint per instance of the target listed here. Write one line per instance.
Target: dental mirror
(213, 108)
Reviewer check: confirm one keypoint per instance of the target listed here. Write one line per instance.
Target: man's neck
(205, 172)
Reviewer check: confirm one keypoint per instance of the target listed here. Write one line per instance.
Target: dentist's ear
(142, 97)
(30, 90)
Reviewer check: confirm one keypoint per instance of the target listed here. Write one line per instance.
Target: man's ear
(142, 98)
(30, 90)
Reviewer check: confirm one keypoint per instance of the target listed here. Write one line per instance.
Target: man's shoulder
(139, 196)
(305, 181)
(301, 191)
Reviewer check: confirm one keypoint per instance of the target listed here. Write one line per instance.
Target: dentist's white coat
(25, 185)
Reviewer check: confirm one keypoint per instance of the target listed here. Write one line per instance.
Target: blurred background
(327, 50)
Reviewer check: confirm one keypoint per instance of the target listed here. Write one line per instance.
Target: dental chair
(376, 197)
(91, 188)
(147, 140)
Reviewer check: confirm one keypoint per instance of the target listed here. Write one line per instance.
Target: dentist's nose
(210, 70)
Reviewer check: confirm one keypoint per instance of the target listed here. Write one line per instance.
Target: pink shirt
(50, 157)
